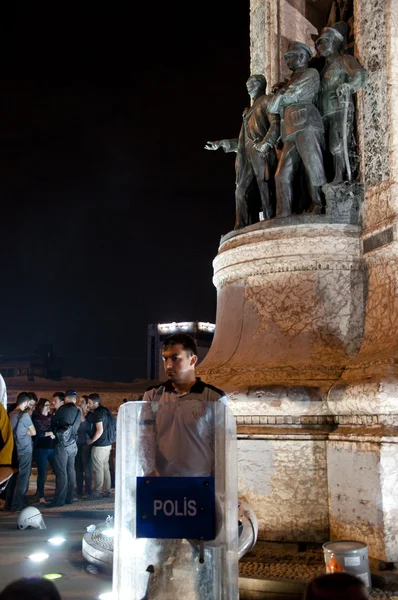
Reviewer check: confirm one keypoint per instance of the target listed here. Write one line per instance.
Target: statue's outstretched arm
(226, 145)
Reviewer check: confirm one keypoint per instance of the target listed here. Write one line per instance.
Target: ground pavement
(270, 570)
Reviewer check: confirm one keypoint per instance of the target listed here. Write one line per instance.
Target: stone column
(363, 451)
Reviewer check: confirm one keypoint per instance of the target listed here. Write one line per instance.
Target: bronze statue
(301, 130)
(341, 77)
(255, 158)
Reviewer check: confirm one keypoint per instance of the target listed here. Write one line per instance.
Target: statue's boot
(239, 224)
(268, 211)
(283, 198)
(316, 206)
(316, 209)
(339, 169)
(242, 210)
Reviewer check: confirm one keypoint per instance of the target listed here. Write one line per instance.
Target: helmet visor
(39, 522)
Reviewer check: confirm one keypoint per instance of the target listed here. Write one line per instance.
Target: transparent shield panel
(176, 503)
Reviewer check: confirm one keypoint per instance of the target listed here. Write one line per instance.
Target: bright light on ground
(106, 596)
(57, 541)
(52, 576)
(38, 557)
(110, 532)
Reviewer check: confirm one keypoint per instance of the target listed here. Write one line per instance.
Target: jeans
(41, 457)
(64, 468)
(102, 475)
(20, 483)
(83, 469)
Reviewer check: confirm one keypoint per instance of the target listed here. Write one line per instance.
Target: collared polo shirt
(184, 428)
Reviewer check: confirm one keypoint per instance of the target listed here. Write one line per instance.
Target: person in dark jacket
(65, 425)
(43, 444)
(83, 456)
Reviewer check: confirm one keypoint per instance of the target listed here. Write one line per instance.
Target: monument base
(316, 449)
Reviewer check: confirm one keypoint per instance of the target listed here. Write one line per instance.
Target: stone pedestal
(290, 304)
(289, 318)
(311, 380)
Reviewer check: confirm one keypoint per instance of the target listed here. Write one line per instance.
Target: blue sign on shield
(176, 507)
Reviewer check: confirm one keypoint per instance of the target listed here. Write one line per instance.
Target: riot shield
(176, 502)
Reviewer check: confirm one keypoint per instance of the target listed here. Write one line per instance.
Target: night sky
(111, 210)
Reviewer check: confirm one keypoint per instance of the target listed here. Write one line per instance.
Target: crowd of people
(71, 436)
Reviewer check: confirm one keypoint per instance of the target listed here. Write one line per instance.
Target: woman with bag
(43, 445)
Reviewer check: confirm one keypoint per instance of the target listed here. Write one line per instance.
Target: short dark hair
(335, 585)
(187, 342)
(30, 588)
(59, 395)
(95, 397)
(23, 397)
(33, 396)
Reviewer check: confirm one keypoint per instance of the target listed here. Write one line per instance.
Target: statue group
(288, 135)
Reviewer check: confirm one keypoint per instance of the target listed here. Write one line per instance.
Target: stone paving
(267, 561)
(76, 583)
(283, 561)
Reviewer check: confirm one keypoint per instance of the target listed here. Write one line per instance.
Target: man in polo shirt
(178, 424)
(101, 447)
(181, 414)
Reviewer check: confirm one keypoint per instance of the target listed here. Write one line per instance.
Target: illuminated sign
(210, 327)
(185, 326)
(169, 327)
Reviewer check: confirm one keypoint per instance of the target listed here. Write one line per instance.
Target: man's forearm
(96, 436)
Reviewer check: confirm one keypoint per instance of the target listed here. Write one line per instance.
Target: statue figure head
(256, 85)
(332, 40)
(297, 55)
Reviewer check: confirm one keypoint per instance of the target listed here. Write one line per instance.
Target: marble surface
(286, 482)
(373, 52)
(373, 396)
(362, 495)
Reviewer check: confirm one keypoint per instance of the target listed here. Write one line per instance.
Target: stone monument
(306, 340)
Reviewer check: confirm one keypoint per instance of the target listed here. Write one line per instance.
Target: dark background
(111, 211)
